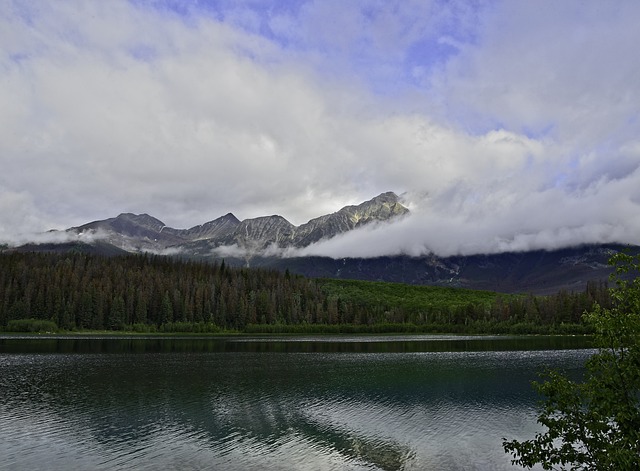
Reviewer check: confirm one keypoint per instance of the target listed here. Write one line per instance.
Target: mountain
(538, 271)
(220, 228)
(145, 233)
(131, 232)
(381, 208)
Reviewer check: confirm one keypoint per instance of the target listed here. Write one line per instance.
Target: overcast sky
(506, 125)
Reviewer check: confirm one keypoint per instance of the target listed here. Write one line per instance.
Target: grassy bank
(409, 328)
(182, 328)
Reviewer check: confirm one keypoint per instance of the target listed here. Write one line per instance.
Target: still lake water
(282, 403)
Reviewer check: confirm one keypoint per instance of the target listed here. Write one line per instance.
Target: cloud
(548, 68)
(518, 121)
(53, 237)
(516, 226)
(18, 211)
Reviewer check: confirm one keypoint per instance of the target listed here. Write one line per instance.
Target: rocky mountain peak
(222, 227)
(131, 232)
(383, 207)
(265, 229)
(230, 217)
(143, 232)
(130, 220)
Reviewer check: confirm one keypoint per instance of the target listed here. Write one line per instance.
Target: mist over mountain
(375, 240)
(247, 238)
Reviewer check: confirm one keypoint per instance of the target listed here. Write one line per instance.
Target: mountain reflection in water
(267, 404)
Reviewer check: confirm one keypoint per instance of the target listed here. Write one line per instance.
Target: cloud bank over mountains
(506, 125)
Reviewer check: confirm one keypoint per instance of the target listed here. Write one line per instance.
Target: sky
(504, 125)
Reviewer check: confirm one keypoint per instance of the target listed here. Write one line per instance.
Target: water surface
(292, 403)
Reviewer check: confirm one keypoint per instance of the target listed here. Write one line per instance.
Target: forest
(149, 293)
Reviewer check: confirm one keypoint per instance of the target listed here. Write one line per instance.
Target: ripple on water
(423, 410)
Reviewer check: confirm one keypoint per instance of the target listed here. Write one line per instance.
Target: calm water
(300, 403)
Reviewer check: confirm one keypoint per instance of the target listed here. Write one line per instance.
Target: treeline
(153, 293)
(402, 303)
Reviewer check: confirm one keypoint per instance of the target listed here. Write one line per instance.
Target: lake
(425, 402)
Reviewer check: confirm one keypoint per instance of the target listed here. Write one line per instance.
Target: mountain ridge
(142, 232)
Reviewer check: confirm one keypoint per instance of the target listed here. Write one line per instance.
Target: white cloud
(563, 68)
(523, 133)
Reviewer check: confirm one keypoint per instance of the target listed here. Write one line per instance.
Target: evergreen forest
(149, 293)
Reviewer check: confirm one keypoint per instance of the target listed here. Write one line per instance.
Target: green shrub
(31, 325)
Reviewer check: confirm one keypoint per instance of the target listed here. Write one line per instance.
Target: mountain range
(141, 232)
(251, 242)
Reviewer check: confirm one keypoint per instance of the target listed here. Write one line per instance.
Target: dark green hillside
(540, 272)
(79, 291)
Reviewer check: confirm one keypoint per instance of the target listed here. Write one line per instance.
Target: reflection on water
(307, 344)
(265, 404)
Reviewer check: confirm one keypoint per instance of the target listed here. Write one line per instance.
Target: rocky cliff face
(132, 232)
(220, 228)
(381, 208)
(145, 233)
(261, 232)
